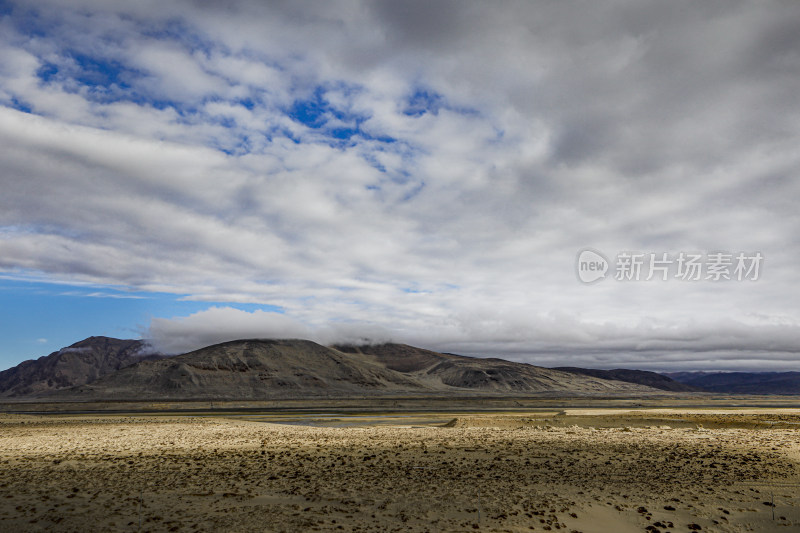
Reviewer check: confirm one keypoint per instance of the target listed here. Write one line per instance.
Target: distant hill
(484, 374)
(741, 382)
(251, 369)
(642, 377)
(78, 364)
(399, 357)
(258, 369)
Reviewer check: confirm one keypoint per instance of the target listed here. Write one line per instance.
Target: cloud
(102, 294)
(84, 349)
(221, 324)
(428, 171)
(554, 339)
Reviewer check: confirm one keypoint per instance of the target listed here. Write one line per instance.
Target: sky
(190, 172)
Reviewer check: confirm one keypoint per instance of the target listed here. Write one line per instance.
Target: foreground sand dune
(583, 471)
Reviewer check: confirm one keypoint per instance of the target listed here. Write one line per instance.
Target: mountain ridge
(77, 364)
(104, 367)
(643, 377)
(782, 383)
(257, 369)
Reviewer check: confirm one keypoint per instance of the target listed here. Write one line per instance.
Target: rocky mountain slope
(741, 382)
(642, 377)
(485, 374)
(249, 370)
(259, 369)
(80, 363)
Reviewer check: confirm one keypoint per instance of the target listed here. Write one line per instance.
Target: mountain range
(642, 377)
(257, 369)
(103, 368)
(741, 382)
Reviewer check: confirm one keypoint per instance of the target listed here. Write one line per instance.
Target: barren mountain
(742, 382)
(259, 369)
(485, 374)
(252, 369)
(81, 363)
(642, 377)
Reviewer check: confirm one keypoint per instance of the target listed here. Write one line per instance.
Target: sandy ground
(580, 470)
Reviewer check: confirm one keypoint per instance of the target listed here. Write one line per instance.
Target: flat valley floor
(587, 470)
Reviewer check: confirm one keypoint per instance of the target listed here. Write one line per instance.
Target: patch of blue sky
(278, 132)
(311, 112)
(100, 78)
(225, 121)
(327, 115)
(367, 135)
(48, 72)
(318, 112)
(38, 317)
(5, 8)
(20, 105)
(104, 80)
(285, 132)
(231, 151)
(26, 19)
(97, 78)
(385, 139)
(247, 103)
(344, 133)
(422, 101)
(352, 135)
(100, 72)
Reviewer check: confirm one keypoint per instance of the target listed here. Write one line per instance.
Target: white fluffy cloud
(424, 172)
(556, 339)
(221, 324)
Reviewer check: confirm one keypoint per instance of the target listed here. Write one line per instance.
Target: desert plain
(587, 470)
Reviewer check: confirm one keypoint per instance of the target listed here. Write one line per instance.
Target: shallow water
(348, 420)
